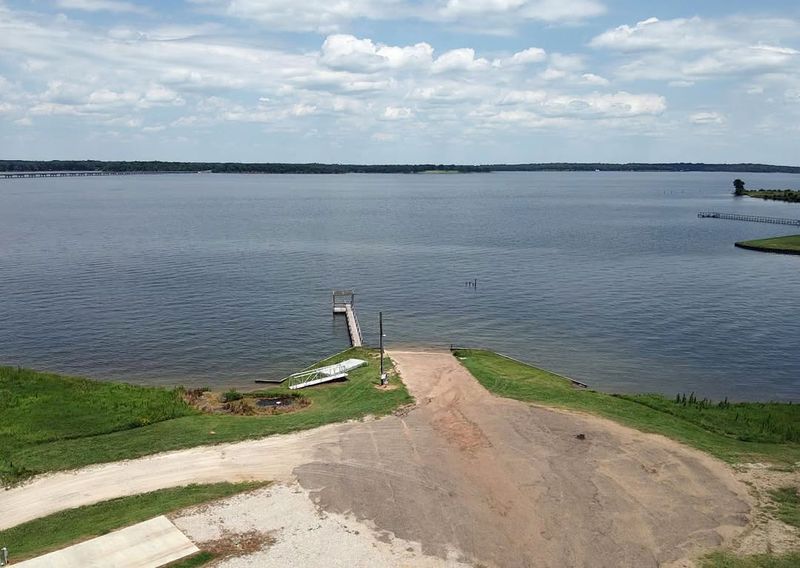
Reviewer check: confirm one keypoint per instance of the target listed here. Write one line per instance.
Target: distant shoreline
(20, 166)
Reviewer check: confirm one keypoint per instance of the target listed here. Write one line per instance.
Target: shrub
(231, 395)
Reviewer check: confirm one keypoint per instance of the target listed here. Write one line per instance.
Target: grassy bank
(727, 560)
(49, 422)
(788, 195)
(735, 432)
(62, 529)
(786, 245)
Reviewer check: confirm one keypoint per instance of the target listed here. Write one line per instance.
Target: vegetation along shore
(50, 422)
(788, 195)
(784, 245)
(316, 168)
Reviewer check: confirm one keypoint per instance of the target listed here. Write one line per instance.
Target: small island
(788, 195)
(784, 245)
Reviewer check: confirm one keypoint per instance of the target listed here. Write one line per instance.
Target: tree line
(317, 168)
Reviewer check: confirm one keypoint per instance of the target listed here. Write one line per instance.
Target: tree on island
(738, 187)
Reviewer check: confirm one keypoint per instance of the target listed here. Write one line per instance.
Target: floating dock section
(751, 218)
(344, 303)
(323, 374)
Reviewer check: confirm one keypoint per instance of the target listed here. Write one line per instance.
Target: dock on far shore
(344, 303)
(751, 218)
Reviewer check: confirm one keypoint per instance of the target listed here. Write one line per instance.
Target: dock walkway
(344, 303)
(752, 218)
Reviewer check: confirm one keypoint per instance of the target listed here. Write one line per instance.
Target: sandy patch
(765, 533)
(289, 531)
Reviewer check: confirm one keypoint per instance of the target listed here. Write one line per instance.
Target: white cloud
(615, 105)
(350, 53)
(689, 49)
(383, 136)
(462, 59)
(158, 94)
(562, 66)
(653, 34)
(301, 109)
(309, 15)
(593, 105)
(543, 10)
(592, 79)
(756, 58)
(349, 84)
(101, 6)
(397, 113)
(525, 57)
(483, 16)
(705, 118)
(553, 74)
(566, 62)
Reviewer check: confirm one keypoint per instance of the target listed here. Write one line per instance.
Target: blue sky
(389, 81)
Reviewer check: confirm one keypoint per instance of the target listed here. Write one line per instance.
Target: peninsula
(783, 245)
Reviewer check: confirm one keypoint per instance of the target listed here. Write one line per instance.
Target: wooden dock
(751, 218)
(344, 303)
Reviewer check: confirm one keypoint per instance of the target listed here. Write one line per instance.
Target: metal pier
(751, 218)
(344, 303)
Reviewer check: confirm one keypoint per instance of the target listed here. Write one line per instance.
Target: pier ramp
(344, 303)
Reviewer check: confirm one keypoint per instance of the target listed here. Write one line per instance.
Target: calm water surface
(218, 279)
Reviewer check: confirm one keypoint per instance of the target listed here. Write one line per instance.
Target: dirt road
(502, 482)
(510, 484)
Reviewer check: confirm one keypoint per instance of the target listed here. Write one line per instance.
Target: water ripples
(215, 280)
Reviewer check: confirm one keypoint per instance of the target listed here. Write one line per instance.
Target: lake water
(214, 280)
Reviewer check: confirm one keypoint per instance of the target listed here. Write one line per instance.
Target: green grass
(740, 432)
(200, 559)
(727, 560)
(790, 243)
(75, 525)
(86, 422)
(787, 502)
(37, 409)
(792, 196)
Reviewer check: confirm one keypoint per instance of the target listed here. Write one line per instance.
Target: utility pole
(384, 380)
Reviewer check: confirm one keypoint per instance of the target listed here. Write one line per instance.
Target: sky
(401, 81)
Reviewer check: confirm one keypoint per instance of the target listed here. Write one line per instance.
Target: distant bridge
(752, 218)
(93, 173)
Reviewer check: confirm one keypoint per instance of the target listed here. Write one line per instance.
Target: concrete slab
(149, 544)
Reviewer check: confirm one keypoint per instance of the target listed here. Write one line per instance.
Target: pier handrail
(751, 218)
(344, 302)
(357, 326)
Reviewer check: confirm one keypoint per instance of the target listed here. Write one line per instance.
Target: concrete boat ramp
(149, 544)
